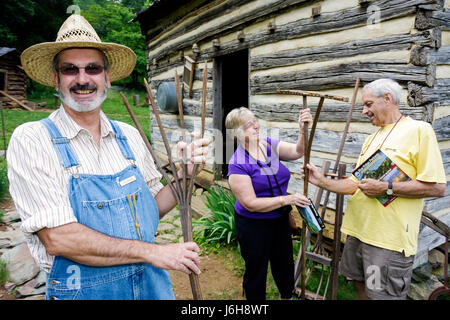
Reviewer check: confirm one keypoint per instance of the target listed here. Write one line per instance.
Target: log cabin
(13, 80)
(254, 48)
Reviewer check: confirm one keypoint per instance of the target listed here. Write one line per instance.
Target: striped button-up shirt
(39, 183)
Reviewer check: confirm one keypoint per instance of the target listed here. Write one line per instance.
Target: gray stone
(31, 288)
(170, 216)
(422, 273)
(422, 290)
(177, 221)
(165, 238)
(198, 192)
(11, 216)
(11, 238)
(41, 279)
(178, 232)
(16, 225)
(36, 297)
(436, 258)
(165, 226)
(9, 286)
(20, 264)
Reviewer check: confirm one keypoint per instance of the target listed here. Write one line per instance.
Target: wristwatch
(389, 191)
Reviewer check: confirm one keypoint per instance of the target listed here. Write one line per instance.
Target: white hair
(83, 106)
(381, 86)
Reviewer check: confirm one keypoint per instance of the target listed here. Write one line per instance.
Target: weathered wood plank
(16, 101)
(442, 128)
(342, 75)
(445, 154)
(439, 94)
(194, 109)
(440, 56)
(348, 49)
(326, 140)
(198, 73)
(152, 25)
(426, 19)
(330, 112)
(427, 240)
(173, 122)
(326, 22)
(436, 204)
(247, 17)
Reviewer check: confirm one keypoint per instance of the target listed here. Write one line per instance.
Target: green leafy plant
(218, 225)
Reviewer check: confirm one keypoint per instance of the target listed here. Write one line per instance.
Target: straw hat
(75, 32)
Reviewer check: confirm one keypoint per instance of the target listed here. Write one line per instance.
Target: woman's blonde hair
(235, 119)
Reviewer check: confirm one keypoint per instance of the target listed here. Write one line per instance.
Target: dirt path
(216, 281)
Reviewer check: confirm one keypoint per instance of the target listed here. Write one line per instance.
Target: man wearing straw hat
(86, 187)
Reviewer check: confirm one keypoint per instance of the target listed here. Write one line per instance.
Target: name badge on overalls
(127, 181)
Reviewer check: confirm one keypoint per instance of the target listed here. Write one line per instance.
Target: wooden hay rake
(182, 190)
(318, 255)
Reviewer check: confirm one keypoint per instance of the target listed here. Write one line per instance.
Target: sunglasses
(91, 69)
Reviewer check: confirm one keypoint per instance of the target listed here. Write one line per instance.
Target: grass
(3, 273)
(113, 107)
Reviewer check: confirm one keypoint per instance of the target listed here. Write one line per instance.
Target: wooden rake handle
(313, 94)
(195, 284)
(149, 147)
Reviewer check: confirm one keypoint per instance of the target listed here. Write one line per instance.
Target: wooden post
(136, 100)
(16, 101)
(305, 193)
(337, 238)
(3, 129)
(56, 99)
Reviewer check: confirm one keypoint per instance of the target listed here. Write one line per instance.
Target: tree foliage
(112, 21)
(27, 22)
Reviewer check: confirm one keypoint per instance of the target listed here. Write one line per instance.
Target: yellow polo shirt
(413, 146)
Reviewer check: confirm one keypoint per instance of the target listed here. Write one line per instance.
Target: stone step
(198, 205)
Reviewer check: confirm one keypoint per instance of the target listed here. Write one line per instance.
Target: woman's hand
(288, 151)
(304, 116)
(297, 199)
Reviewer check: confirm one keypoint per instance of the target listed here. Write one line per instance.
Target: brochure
(379, 166)
(312, 219)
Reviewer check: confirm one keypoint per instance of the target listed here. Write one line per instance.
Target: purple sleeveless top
(242, 163)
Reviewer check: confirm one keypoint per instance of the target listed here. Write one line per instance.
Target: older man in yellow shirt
(382, 240)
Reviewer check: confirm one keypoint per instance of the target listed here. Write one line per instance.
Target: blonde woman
(259, 181)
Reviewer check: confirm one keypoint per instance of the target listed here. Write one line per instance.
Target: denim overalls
(119, 205)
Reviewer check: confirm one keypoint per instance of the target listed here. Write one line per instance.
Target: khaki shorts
(385, 273)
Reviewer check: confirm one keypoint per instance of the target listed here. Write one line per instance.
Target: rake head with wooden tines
(182, 190)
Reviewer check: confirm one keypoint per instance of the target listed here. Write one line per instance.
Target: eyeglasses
(91, 69)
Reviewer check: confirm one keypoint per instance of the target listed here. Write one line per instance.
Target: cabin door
(231, 90)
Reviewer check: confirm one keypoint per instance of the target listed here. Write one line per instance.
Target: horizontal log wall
(16, 78)
(290, 49)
